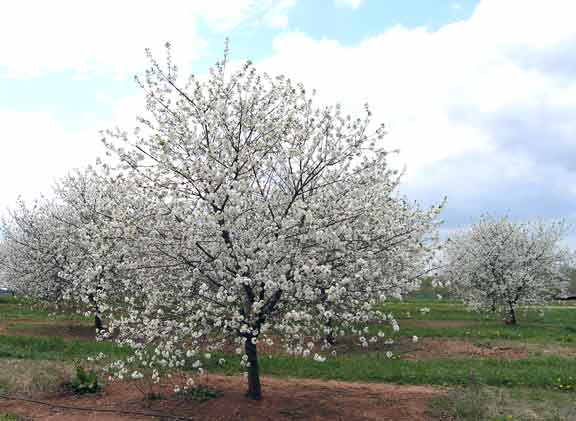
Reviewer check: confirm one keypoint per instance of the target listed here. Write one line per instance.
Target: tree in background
(35, 250)
(67, 250)
(569, 274)
(498, 264)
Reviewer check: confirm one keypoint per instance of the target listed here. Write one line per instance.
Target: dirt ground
(427, 348)
(65, 329)
(432, 348)
(284, 399)
(439, 323)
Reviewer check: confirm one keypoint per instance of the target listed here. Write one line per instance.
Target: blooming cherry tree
(35, 251)
(498, 264)
(91, 206)
(66, 249)
(276, 220)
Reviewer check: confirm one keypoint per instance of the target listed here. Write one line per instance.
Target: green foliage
(565, 383)
(199, 393)
(85, 381)
(429, 290)
(11, 417)
(154, 396)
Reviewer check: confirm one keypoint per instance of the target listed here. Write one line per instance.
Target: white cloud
(417, 81)
(445, 96)
(36, 149)
(276, 16)
(49, 36)
(352, 4)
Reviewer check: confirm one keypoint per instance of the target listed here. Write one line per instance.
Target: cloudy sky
(478, 96)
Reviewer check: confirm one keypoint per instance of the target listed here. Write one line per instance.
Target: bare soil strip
(436, 348)
(285, 399)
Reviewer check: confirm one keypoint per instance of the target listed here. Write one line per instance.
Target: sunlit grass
(538, 371)
(54, 348)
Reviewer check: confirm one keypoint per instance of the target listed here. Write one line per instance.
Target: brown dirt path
(66, 329)
(433, 348)
(285, 399)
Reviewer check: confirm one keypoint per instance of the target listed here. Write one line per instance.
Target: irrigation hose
(92, 409)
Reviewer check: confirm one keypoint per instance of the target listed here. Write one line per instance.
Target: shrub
(85, 381)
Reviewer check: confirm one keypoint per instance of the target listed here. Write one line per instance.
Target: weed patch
(84, 381)
(198, 393)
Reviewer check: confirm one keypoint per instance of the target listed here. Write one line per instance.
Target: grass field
(493, 371)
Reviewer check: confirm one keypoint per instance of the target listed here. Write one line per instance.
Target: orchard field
(445, 364)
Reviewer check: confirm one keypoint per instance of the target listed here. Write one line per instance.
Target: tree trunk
(330, 336)
(97, 319)
(254, 388)
(511, 314)
(98, 322)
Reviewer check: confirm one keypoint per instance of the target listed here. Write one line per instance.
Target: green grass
(542, 372)
(70, 328)
(564, 313)
(54, 348)
(553, 324)
(13, 308)
(527, 333)
(429, 292)
(11, 417)
(540, 387)
(537, 371)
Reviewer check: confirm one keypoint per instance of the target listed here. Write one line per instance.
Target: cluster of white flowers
(238, 213)
(498, 264)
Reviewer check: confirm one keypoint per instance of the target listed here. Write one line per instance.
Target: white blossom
(498, 264)
(238, 207)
